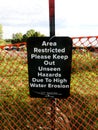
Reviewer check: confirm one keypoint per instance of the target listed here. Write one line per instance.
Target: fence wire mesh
(78, 112)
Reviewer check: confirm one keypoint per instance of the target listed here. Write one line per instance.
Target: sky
(72, 17)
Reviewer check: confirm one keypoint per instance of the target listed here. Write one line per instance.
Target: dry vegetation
(18, 111)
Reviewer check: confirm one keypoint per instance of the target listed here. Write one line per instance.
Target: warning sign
(49, 66)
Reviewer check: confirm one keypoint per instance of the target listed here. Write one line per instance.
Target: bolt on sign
(49, 66)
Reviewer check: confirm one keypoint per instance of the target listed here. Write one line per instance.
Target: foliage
(30, 33)
(2, 42)
(1, 31)
(18, 37)
(84, 61)
(8, 40)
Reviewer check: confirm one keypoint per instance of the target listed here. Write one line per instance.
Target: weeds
(19, 111)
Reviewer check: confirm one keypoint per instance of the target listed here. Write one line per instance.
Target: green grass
(19, 111)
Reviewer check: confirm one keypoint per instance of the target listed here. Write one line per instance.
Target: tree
(17, 37)
(30, 33)
(1, 31)
(38, 34)
(24, 38)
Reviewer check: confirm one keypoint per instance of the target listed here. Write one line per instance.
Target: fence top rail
(11, 45)
(78, 39)
(81, 37)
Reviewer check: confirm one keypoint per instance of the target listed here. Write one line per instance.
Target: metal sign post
(52, 33)
(52, 17)
(49, 65)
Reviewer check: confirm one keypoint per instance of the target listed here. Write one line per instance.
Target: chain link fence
(78, 112)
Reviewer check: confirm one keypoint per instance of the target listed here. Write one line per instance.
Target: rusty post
(52, 33)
